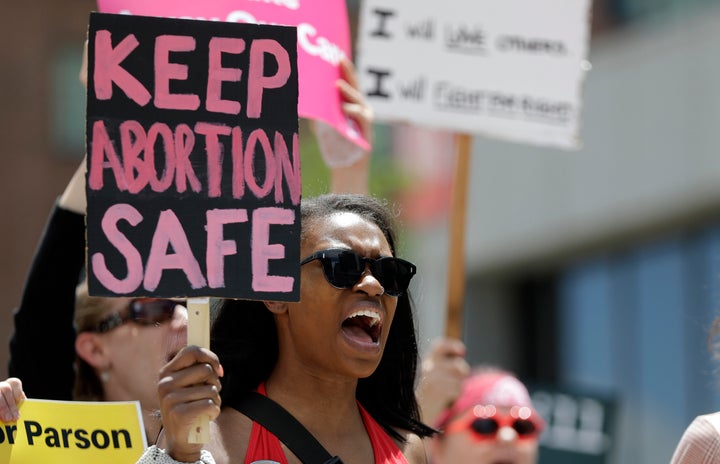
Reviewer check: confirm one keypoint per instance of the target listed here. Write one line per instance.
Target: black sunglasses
(143, 311)
(343, 269)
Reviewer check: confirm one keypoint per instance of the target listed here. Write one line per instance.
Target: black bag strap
(283, 425)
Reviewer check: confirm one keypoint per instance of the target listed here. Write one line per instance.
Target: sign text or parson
(193, 181)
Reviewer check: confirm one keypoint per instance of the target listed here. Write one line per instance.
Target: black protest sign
(193, 180)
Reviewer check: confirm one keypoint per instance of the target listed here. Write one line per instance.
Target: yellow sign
(74, 432)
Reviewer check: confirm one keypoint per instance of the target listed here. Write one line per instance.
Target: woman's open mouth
(364, 326)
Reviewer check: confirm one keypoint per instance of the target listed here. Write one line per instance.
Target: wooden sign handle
(199, 334)
(456, 255)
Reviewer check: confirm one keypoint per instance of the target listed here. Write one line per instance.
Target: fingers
(347, 72)
(183, 409)
(447, 348)
(192, 377)
(189, 356)
(188, 390)
(351, 94)
(11, 395)
(449, 356)
(354, 104)
(443, 371)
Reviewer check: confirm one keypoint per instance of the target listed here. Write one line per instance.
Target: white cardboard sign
(510, 69)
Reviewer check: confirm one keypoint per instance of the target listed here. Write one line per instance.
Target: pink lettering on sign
(218, 247)
(238, 177)
(165, 71)
(184, 143)
(115, 214)
(101, 147)
(108, 69)
(263, 251)
(169, 232)
(323, 37)
(287, 169)
(217, 74)
(170, 235)
(133, 141)
(212, 148)
(137, 169)
(259, 137)
(160, 183)
(139, 156)
(258, 81)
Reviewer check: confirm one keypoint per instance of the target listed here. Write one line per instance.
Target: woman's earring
(105, 375)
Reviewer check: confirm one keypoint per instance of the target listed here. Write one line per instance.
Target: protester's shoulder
(707, 425)
(216, 445)
(230, 435)
(413, 448)
(701, 440)
(712, 419)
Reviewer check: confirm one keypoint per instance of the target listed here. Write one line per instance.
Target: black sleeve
(42, 345)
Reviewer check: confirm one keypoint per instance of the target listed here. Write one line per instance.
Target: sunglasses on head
(343, 269)
(143, 311)
(485, 421)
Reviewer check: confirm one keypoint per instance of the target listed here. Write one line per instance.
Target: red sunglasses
(486, 421)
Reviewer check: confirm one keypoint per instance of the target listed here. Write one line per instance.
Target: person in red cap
(490, 420)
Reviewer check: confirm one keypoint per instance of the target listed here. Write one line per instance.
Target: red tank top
(265, 448)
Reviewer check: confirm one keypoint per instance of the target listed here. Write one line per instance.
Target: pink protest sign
(323, 38)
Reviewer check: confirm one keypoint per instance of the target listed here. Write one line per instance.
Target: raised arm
(42, 345)
(349, 164)
(442, 372)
